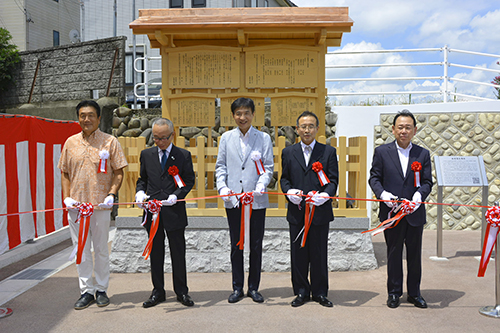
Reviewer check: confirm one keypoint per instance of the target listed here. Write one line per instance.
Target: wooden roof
(243, 26)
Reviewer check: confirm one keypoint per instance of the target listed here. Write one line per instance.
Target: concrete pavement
(452, 289)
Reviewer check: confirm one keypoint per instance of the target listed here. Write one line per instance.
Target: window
(55, 38)
(129, 69)
(198, 3)
(176, 4)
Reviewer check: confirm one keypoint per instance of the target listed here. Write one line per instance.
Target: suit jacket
(296, 175)
(239, 172)
(160, 184)
(386, 174)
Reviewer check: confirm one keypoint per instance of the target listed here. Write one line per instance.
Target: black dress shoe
(101, 298)
(236, 296)
(418, 301)
(393, 301)
(153, 300)
(300, 300)
(185, 300)
(84, 301)
(256, 296)
(323, 301)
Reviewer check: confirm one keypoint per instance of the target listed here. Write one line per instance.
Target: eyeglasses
(309, 127)
(164, 138)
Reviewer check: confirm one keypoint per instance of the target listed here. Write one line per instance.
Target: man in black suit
(156, 182)
(299, 177)
(394, 175)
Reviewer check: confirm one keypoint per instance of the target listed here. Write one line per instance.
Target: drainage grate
(33, 274)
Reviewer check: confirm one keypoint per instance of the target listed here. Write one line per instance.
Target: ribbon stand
(494, 311)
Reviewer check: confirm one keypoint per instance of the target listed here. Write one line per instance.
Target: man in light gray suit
(239, 169)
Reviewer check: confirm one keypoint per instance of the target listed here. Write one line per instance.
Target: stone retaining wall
(454, 134)
(68, 73)
(208, 248)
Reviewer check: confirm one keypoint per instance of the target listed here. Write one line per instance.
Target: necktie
(163, 159)
(307, 151)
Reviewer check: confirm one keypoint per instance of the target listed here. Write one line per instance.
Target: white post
(445, 77)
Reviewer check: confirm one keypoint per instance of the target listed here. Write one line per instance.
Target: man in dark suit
(394, 174)
(299, 177)
(156, 182)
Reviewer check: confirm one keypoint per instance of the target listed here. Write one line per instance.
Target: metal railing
(146, 72)
(444, 91)
(444, 79)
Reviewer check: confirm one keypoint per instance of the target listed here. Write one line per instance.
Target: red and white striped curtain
(29, 178)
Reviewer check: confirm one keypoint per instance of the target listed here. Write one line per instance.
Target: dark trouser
(177, 245)
(257, 222)
(313, 255)
(395, 238)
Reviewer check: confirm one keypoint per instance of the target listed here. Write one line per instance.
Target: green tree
(9, 57)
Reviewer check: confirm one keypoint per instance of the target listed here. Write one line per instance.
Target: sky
(395, 24)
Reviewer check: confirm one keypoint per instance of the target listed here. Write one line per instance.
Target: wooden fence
(352, 177)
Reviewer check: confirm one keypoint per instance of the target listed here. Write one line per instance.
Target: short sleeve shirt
(80, 160)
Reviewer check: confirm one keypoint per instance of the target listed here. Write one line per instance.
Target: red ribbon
(490, 237)
(174, 172)
(407, 207)
(153, 206)
(85, 210)
(318, 168)
(309, 215)
(260, 167)
(416, 167)
(246, 214)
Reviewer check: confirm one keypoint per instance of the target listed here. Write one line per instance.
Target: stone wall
(454, 134)
(68, 73)
(208, 247)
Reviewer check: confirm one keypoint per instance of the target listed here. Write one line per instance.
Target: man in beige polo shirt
(92, 165)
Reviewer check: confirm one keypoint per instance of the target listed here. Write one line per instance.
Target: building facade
(36, 24)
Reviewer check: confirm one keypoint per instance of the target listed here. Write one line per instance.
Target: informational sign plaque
(460, 171)
(204, 69)
(284, 111)
(226, 116)
(193, 111)
(278, 68)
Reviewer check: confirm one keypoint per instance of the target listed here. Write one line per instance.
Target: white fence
(446, 90)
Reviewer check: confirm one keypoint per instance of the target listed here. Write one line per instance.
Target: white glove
(388, 196)
(141, 197)
(226, 191)
(259, 190)
(108, 202)
(294, 196)
(71, 204)
(171, 200)
(417, 199)
(320, 198)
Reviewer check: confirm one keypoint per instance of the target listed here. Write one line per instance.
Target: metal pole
(440, 223)
(494, 311)
(134, 55)
(445, 77)
(146, 99)
(114, 19)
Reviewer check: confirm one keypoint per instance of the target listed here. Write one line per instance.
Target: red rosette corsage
(318, 168)
(174, 172)
(416, 167)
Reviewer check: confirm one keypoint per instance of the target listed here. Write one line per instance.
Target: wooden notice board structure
(276, 53)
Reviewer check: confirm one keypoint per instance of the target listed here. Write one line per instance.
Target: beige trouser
(98, 236)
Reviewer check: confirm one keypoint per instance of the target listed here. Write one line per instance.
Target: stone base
(208, 249)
